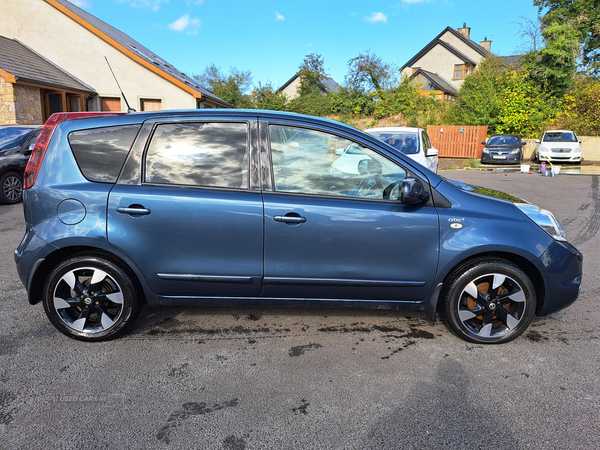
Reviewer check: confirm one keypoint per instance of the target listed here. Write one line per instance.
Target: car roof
(505, 134)
(559, 131)
(398, 129)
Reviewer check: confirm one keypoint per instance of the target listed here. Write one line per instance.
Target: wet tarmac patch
(301, 349)
(234, 443)
(188, 410)
(6, 413)
(302, 409)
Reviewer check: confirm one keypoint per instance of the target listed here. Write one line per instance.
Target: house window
(460, 70)
(150, 104)
(110, 104)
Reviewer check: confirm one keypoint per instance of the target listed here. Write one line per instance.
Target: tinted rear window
(101, 152)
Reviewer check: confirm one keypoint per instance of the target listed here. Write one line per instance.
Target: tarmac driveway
(275, 378)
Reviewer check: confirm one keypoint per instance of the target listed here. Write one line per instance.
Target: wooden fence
(458, 141)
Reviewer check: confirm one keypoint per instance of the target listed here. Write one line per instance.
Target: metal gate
(458, 141)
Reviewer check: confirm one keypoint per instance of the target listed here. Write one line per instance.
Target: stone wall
(20, 104)
(28, 108)
(7, 103)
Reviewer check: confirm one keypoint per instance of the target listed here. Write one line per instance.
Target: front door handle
(133, 210)
(292, 218)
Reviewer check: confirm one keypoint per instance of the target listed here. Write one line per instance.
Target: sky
(270, 38)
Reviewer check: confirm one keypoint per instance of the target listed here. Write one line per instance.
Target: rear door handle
(290, 219)
(133, 211)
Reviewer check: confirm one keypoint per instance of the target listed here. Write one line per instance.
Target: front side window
(199, 154)
(317, 163)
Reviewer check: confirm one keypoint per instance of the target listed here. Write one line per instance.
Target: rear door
(189, 217)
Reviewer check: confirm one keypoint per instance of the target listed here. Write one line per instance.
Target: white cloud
(194, 2)
(278, 17)
(82, 3)
(377, 17)
(153, 5)
(184, 23)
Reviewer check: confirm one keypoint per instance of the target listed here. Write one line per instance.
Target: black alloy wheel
(90, 298)
(11, 191)
(489, 302)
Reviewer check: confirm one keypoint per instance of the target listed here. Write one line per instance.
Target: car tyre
(489, 302)
(91, 298)
(11, 188)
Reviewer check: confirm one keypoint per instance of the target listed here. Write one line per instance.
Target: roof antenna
(129, 108)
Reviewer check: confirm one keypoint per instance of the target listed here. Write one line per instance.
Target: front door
(332, 232)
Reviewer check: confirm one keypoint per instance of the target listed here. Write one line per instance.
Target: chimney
(465, 31)
(486, 44)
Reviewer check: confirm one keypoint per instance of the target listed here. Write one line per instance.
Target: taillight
(41, 145)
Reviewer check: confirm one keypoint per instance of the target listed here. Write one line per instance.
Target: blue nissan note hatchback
(233, 207)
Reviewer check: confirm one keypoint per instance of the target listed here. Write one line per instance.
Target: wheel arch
(54, 258)
(522, 263)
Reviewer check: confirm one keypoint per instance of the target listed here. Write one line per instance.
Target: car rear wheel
(90, 298)
(11, 191)
(489, 302)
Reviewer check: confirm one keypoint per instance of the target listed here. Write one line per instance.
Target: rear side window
(199, 154)
(101, 152)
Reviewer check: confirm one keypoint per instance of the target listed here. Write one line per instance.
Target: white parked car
(558, 146)
(413, 142)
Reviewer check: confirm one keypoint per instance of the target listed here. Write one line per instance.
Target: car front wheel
(11, 191)
(90, 298)
(489, 302)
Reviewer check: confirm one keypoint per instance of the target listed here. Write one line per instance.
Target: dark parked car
(15, 143)
(214, 207)
(503, 149)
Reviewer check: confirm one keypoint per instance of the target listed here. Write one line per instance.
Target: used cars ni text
(234, 207)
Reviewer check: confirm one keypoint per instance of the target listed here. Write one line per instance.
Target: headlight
(485, 150)
(543, 149)
(545, 220)
(515, 151)
(578, 150)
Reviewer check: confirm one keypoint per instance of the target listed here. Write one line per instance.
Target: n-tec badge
(456, 225)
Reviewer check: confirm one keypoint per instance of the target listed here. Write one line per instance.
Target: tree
(312, 75)
(232, 87)
(581, 107)
(267, 97)
(584, 15)
(530, 33)
(368, 73)
(479, 95)
(553, 66)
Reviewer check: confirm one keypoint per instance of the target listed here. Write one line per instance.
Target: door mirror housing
(432, 152)
(413, 192)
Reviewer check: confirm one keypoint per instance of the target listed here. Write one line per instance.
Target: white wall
(81, 53)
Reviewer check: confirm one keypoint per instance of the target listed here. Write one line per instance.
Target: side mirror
(432, 152)
(339, 151)
(29, 149)
(413, 192)
(483, 143)
(537, 141)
